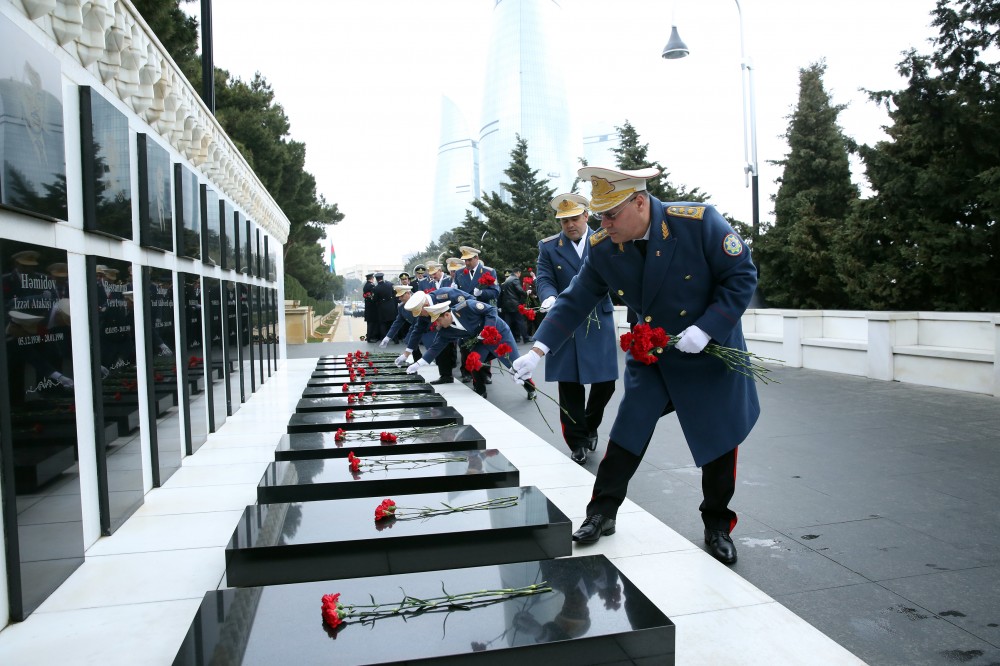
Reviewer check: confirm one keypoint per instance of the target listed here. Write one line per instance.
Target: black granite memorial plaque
(33, 174)
(107, 181)
(156, 218)
(231, 348)
(381, 389)
(378, 402)
(217, 385)
(301, 541)
(42, 513)
(211, 226)
(308, 445)
(226, 235)
(111, 297)
(250, 249)
(400, 472)
(593, 615)
(375, 380)
(365, 419)
(192, 363)
(367, 373)
(238, 234)
(248, 383)
(187, 208)
(165, 437)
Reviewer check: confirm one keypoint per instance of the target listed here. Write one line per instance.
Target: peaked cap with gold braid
(610, 187)
(569, 205)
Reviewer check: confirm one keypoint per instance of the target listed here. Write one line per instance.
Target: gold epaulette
(690, 212)
(598, 237)
(550, 238)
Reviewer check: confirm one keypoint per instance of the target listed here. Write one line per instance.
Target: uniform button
(559, 268)
(684, 313)
(687, 277)
(621, 293)
(648, 319)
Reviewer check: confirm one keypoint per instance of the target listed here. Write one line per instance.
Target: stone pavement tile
(967, 599)
(972, 532)
(781, 565)
(787, 504)
(878, 494)
(880, 549)
(886, 629)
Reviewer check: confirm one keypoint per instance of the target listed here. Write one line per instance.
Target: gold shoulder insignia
(690, 212)
(550, 238)
(598, 237)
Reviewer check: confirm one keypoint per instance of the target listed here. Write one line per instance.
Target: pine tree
(930, 237)
(631, 155)
(798, 254)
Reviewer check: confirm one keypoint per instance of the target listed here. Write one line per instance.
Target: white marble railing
(954, 350)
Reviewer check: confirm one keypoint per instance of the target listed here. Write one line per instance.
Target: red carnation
(345, 387)
(503, 349)
(368, 386)
(487, 280)
(387, 509)
(340, 435)
(473, 362)
(349, 415)
(490, 335)
(333, 613)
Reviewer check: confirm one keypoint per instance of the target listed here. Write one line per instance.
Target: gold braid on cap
(604, 196)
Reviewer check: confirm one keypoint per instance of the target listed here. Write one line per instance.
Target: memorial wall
(141, 275)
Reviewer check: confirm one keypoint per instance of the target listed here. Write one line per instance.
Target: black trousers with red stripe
(718, 483)
(584, 414)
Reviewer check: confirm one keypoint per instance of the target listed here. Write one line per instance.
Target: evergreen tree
(798, 254)
(508, 233)
(630, 155)
(929, 237)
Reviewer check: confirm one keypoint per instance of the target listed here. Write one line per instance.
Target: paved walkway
(870, 509)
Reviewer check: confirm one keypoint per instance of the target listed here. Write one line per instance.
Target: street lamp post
(675, 49)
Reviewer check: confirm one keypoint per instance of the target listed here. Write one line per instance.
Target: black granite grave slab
(367, 419)
(381, 389)
(367, 365)
(592, 615)
(342, 403)
(376, 380)
(301, 541)
(308, 445)
(342, 358)
(368, 373)
(332, 478)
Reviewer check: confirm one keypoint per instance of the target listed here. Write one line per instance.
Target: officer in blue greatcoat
(466, 321)
(436, 277)
(591, 354)
(471, 279)
(681, 267)
(420, 332)
(404, 321)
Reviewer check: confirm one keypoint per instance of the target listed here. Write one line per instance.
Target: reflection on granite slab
(308, 445)
(356, 387)
(342, 403)
(300, 541)
(374, 379)
(333, 478)
(367, 419)
(592, 615)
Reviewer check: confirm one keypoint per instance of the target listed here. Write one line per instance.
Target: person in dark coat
(591, 355)
(479, 280)
(385, 305)
(684, 269)
(371, 316)
(420, 332)
(512, 296)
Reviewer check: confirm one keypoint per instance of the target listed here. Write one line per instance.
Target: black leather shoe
(720, 546)
(579, 455)
(488, 380)
(592, 441)
(443, 380)
(466, 379)
(593, 528)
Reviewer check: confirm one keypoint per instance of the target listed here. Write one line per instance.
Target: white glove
(413, 367)
(524, 365)
(477, 292)
(384, 343)
(548, 303)
(401, 359)
(692, 340)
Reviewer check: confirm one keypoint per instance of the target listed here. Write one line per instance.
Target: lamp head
(675, 48)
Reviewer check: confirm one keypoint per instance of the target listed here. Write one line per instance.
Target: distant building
(456, 180)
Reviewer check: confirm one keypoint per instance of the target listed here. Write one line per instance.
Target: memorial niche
(211, 227)
(258, 332)
(239, 234)
(42, 511)
(226, 214)
(107, 182)
(188, 212)
(217, 386)
(248, 384)
(251, 248)
(161, 374)
(156, 219)
(194, 402)
(111, 303)
(33, 177)
(231, 348)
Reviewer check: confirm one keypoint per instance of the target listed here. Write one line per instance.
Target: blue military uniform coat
(420, 332)
(403, 316)
(591, 354)
(696, 271)
(468, 280)
(474, 316)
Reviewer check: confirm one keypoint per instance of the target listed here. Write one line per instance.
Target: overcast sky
(361, 83)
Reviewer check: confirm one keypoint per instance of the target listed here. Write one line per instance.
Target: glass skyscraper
(456, 181)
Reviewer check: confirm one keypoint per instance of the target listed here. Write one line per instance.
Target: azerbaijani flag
(333, 255)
